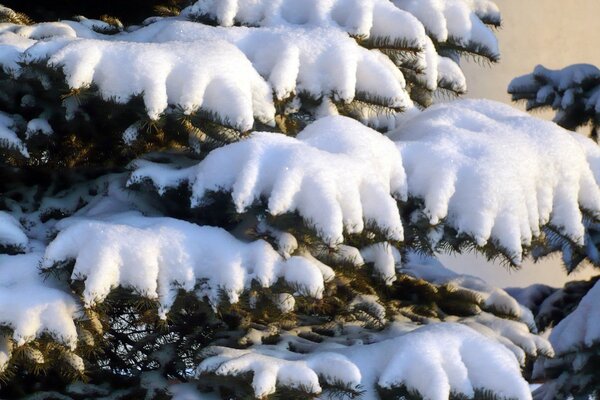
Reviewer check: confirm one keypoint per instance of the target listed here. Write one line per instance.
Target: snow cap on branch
(495, 173)
(337, 174)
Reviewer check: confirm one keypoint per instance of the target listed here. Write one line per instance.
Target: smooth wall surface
(554, 33)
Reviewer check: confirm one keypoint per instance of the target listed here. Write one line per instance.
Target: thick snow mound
(367, 18)
(317, 61)
(457, 21)
(11, 232)
(435, 361)
(213, 76)
(31, 306)
(581, 328)
(495, 173)
(337, 174)
(158, 256)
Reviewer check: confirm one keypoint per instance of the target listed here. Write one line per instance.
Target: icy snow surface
(337, 174)
(434, 360)
(158, 256)
(496, 173)
(581, 328)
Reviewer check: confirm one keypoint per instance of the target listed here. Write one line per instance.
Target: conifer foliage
(245, 199)
(574, 94)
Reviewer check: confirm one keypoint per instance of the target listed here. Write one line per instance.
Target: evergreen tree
(246, 198)
(574, 93)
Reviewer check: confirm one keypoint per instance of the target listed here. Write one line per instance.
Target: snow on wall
(158, 256)
(496, 173)
(337, 174)
(434, 360)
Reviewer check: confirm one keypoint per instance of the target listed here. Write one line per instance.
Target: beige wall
(554, 33)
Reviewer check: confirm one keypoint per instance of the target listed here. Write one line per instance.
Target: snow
(496, 174)
(581, 328)
(337, 174)
(11, 232)
(8, 137)
(572, 91)
(368, 18)
(453, 21)
(433, 360)
(490, 298)
(158, 256)
(316, 61)
(385, 258)
(32, 305)
(38, 125)
(213, 76)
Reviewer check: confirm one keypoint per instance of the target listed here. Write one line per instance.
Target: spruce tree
(571, 312)
(245, 199)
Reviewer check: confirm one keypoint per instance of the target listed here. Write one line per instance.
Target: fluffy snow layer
(435, 361)
(30, 305)
(337, 174)
(11, 232)
(495, 173)
(290, 48)
(158, 256)
(374, 19)
(456, 21)
(581, 328)
(316, 61)
(212, 75)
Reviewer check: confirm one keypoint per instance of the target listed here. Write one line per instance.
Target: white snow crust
(337, 174)
(435, 360)
(495, 173)
(158, 256)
